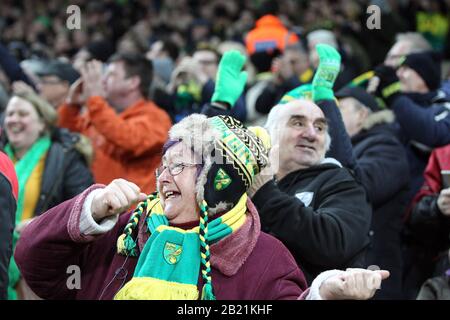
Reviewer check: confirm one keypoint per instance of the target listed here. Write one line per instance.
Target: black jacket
(7, 222)
(431, 228)
(429, 237)
(66, 173)
(8, 194)
(328, 228)
(382, 168)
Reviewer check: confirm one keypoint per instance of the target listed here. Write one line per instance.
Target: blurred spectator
(241, 26)
(429, 223)
(135, 41)
(4, 96)
(327, 37)
(54, 80)
(437, 288)
(382, 168)
(432, 20)
(8, 203)
(289, 70)
(199, 31)
(192, 85)
(268, 38)
(127, 130)
(422, 123)
(208, 61)
(96, 50)
(406, 43)
(319, 36)
(164, 55)
(12, 68)
(422, 118)
(269, 34)
(265, 42)
(49, 165)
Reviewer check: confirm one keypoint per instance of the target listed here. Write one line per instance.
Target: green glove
(230, 80)
(326, 74)
(302, 92)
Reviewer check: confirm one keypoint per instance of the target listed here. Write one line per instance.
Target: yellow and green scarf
(169, 264)
(24, 167)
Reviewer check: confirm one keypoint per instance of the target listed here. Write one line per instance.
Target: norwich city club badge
(222, 180)
(172, 252)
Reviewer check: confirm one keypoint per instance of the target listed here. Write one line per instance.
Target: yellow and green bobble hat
(231, 156)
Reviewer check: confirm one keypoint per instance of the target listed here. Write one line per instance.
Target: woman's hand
(353, 284)
(116, 197)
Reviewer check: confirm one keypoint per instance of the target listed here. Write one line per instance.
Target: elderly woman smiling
(49, 168)
(197, 237)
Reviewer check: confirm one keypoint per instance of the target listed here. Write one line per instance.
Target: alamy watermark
(374, 20)
(73, 21)
(74, 279)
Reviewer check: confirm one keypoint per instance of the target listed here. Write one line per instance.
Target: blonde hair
(44, 109)
(417, 41)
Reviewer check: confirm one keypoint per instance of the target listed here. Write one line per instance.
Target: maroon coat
(248, 264)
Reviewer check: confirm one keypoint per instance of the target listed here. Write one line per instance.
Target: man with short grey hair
(406, 43)
(313, 204)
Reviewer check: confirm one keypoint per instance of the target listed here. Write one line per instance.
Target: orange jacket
(126, 145)
(269, 33)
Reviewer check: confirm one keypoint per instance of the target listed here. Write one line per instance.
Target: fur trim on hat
(196, 133)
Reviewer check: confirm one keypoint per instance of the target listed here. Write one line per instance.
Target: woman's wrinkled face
(23, 126)
(177, 190)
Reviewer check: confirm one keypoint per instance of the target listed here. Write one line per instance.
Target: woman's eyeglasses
(174, 169)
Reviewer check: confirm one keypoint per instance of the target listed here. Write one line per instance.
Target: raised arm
(69, 234)
(230, 84)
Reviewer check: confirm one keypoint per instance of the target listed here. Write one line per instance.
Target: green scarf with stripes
(169, 264)
(24, 167)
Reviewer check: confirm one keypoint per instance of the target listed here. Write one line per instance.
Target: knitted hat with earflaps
(231, 156)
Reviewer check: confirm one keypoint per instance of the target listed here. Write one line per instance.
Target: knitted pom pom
(130, 246)
(121, 244)
(126, 245)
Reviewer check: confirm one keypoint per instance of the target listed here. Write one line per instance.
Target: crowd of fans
(359, 119)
